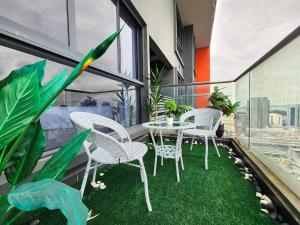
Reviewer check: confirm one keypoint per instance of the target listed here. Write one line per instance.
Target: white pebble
(263, 202)
(264, 210)
(259, 195)
(101, 174)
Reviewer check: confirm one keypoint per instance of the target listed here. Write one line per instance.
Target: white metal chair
(102, 148)
(207, 122)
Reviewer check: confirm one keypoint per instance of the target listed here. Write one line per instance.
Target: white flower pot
(169, 121)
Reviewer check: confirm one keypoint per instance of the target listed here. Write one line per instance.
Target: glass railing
(197, 94)
(267, 123)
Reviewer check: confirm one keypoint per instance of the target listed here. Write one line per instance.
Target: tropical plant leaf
(27, 155)
(4, 206)
(52, 87)
(90, 57)
(37, 67)
(58, 164)
(50, 194)
(101, 48)
(20, 100)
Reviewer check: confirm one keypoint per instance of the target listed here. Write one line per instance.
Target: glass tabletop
(162, 125)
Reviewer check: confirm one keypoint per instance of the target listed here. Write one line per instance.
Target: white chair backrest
(83, 121)
(208, 118)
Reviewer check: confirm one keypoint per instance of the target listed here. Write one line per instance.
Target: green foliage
(222, 102)
(27, 155)
(50, 194)
(157, 77)
(56, 167)
(171, 107)
(20, 101)
(52, 86)
(181, 109)
(22, 140)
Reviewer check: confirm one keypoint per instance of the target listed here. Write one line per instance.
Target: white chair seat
(134, 151)
(198, 132)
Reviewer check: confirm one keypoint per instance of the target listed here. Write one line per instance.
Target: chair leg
(177, 169)
(86, 174)
(162, 161)
(142, 166)
(191, 148)
(142, 177)
(181, 160)
(95, 173)
(155, 165)
(206, 153)
(216, 147)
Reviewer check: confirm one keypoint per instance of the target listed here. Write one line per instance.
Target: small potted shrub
(181, 109)
(171, 107)
(218, 100)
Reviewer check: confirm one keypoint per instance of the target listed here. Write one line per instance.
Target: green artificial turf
(218, 196)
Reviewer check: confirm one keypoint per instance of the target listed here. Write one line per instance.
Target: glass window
(89, 93)
(179, 34)
(95, 21)
(128, 40)
(274, 103)
(242, 114)
(46, 17)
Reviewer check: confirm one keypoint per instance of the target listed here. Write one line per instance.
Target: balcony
(259, 158)
(45, 158)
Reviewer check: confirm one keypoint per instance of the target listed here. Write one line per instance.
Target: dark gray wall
(189, 54)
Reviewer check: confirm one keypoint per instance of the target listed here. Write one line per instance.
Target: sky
(244, 30)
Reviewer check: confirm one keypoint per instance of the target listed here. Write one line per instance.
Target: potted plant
(157, 77)
(218, 100)
(171, 107)
(181, 109)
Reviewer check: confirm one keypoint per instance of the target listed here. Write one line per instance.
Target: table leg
(162, 144)
(155, 148)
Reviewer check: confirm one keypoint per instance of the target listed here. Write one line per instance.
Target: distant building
(293, 119)
(275, 120)
(259, 112)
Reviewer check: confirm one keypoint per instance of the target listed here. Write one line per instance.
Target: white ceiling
(200, 13)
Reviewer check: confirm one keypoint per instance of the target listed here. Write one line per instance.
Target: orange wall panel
(202, 75)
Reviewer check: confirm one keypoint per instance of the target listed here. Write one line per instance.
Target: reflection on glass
(112, 99)
(93, 25)
(242, 114)
(109, 98)
(46, 17)
(128, 45)
(274, 114)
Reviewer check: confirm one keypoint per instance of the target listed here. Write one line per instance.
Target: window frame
(176, 16)
(67, 55)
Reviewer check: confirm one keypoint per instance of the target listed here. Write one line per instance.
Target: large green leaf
(37, 67)
(27, 155)
(4, 206)
(52, 87)
(50, 194)
(20, 100)
(101, 48)
(58, 164)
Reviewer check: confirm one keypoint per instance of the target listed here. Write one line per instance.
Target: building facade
(154, 33)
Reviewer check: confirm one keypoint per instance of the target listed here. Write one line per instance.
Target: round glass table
(168, 151)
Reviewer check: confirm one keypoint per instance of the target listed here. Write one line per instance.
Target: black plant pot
(220, 130)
